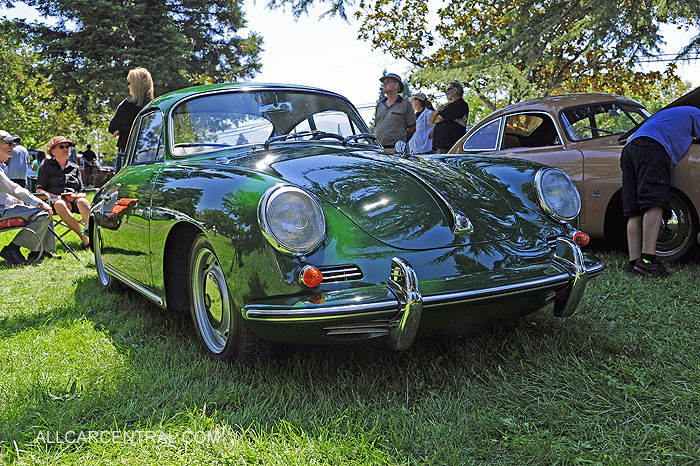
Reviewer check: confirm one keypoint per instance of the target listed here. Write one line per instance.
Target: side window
(149, 143)
(529, 130)
(485, 138)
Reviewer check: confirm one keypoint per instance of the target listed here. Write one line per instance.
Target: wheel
(218, 325)
(678, 236)
(105, 280)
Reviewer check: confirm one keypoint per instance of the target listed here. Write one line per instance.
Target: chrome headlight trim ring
(542, 198)
(268, 231)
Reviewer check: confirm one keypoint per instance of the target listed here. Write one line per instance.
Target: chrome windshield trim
(132, 284)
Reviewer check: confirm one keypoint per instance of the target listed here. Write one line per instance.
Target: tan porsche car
(583, 134)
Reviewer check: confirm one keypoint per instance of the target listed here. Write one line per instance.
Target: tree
(518, 49)
(182, 42)
(509, 50)
(29, 104)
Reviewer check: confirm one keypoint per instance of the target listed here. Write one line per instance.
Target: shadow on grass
(163, 372)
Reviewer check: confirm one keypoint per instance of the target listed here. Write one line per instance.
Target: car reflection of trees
(516, 250)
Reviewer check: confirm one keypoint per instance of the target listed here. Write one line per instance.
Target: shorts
(72, 204)
(646, 177)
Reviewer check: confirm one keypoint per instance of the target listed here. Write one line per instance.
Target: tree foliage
(29, 105)
(517, 49)
(182, 42)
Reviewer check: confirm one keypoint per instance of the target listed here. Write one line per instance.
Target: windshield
(602, 119)
(228, 119)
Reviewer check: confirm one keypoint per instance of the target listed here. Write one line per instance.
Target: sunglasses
(63, 146)
(10, 143)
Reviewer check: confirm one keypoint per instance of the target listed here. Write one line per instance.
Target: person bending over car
(646, 162)
(60, 180)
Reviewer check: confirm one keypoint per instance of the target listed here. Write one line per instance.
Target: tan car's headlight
(557, 194)
(291, 220)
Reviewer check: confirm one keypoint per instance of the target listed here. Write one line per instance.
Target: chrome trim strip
(262, 311)
(503, 290)
(139, 288)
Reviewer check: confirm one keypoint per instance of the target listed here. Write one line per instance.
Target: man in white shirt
(36, 212)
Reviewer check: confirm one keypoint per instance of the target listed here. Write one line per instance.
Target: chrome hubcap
(212, 307)
(675, 233)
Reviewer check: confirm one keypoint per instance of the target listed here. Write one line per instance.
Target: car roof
(170, 98)
(554, 103)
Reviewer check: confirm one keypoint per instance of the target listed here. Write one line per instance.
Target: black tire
(218, 324)
(105, 280)
(677, 240)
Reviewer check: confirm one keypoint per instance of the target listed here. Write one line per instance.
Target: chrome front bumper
(403, 299)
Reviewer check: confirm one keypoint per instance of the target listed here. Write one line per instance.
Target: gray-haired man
(34, 211)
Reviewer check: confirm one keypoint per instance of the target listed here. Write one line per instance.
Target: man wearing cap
(394, 119)
(60, 180)
(34, 211)
(450, 119)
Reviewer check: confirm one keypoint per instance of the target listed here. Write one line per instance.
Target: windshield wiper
(315, 134)
(353, 137)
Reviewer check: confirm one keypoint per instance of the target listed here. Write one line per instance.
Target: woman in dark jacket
(141, 90)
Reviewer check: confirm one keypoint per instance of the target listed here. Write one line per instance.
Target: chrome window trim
(530, 112)
(264, 224)
(498, 137)
(565, 121)
(246, 89)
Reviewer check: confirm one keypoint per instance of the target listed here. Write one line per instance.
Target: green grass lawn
(616, 383)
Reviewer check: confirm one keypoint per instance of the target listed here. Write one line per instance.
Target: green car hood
(404, 203)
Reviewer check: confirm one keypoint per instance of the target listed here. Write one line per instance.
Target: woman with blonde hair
(141, 90)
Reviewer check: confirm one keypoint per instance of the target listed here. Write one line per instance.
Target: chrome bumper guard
(569, 256)
(403, 282)
(567, 288)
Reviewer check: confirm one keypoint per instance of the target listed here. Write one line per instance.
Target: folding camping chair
(20, 224)
(55, 222)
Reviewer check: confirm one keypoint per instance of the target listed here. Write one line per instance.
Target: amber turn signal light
(581, 238)
(310, 276)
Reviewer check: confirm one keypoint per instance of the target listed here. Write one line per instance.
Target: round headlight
(291, 220)
(557, 194)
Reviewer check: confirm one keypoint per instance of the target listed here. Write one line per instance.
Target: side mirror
(401, 148)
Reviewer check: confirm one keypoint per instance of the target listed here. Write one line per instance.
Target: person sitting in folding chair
(35, 212)
(60, 180)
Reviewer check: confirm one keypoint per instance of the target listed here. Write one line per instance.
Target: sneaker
(13, 256)
(629, 268)
(651, 269)
(33, 256)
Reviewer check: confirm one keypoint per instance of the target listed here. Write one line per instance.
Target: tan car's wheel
(677, 237)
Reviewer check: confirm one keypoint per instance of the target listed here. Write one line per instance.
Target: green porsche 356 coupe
(270, 213)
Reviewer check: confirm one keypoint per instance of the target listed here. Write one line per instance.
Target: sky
(326, 52)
